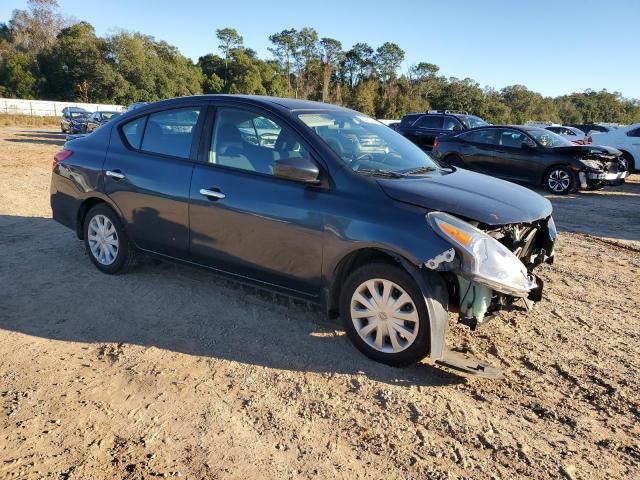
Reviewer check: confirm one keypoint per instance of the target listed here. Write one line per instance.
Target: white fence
(41, 108)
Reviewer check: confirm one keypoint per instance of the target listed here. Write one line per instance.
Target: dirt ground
(173, 372)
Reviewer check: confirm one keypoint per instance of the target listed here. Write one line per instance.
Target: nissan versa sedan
(533, 155)
(293, 196)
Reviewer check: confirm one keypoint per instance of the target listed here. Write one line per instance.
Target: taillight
(436, 142)
(589, 139)
(60, 156)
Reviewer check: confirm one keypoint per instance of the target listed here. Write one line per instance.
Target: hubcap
(384, 315)
(103, 240)
(559, 180)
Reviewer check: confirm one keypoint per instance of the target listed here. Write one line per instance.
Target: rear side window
(170, 132)
(490, 136)
(133, 132)
(430, 121)
(634, 133)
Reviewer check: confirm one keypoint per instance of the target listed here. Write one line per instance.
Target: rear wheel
(384, 314)
(561, 180)
(454, 161)
(107, 242)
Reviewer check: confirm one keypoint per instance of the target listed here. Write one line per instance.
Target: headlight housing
(485, 260)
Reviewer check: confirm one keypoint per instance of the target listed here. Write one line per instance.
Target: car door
(427, 129)
(515, 161)
(478, 149)
(245, 221)
(147, 174)
(632, 142)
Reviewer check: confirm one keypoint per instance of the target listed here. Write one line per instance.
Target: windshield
(365, 144)
(78, 114)
(471, 121)
(548, 139)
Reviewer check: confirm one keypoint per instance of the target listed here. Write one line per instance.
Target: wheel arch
(551, 167)
(634, 163)
(348, 264)
(86, 205)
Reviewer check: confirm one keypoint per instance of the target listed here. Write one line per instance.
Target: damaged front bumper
(475, 299)
(590, 179)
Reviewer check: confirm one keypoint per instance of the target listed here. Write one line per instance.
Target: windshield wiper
(423, 169)
(374, 172)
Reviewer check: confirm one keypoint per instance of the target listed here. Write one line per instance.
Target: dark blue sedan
(313, 200)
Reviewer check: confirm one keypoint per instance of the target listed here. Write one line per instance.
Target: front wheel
(384, 314)
(107, 242)
(561, 180)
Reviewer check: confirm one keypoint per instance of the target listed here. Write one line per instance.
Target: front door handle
(115, 174)
(212, 194)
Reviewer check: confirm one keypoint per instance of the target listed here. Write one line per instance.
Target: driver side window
(251, 142)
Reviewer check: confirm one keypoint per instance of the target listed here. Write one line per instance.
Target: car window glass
(171, 132)
(513, 138)
(249, 141)
(450, 124)
(430, 121)
(634, 133)
(133, 131)
(489, 136)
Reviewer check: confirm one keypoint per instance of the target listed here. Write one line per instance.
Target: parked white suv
(625, 139)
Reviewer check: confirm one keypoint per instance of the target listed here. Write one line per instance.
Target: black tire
(454, 161)
(630, 163)
(413, 352)
(126, 255)
(561, 180)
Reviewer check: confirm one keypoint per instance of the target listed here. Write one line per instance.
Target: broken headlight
(592, 165)
(484, 259)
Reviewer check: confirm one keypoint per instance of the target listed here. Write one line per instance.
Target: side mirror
(457, 128)
(529, 146)
(299, 169)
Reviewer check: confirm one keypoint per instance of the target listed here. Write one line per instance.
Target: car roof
(288, 104)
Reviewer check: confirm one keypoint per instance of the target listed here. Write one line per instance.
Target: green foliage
(18, 76)
(41, 58)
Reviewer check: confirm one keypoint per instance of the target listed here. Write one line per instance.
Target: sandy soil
(174, 372)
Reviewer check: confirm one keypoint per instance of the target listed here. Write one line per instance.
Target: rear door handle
(115, 174)
(212, 194)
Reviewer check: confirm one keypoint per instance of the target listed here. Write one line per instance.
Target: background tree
(331, 51)
(229, 39)
(285, 47)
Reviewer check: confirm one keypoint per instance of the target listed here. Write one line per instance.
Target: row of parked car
(562, 158)
(77, 120)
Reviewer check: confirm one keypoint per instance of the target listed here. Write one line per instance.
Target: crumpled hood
(589, 149)
(470, 195)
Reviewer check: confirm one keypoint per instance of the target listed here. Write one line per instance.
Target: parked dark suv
(423, 128)
(313, 200)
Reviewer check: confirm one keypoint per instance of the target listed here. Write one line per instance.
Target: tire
(111, 253)
(386, 277)
(454, 161)
(630, 162)
(561, 180)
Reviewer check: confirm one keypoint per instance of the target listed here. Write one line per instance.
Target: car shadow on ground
(38, 137)
(55, 292)
(613, 212)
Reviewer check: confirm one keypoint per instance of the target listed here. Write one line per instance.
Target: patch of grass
(10, 120)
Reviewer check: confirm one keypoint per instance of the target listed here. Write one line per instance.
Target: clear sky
(552, 47)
